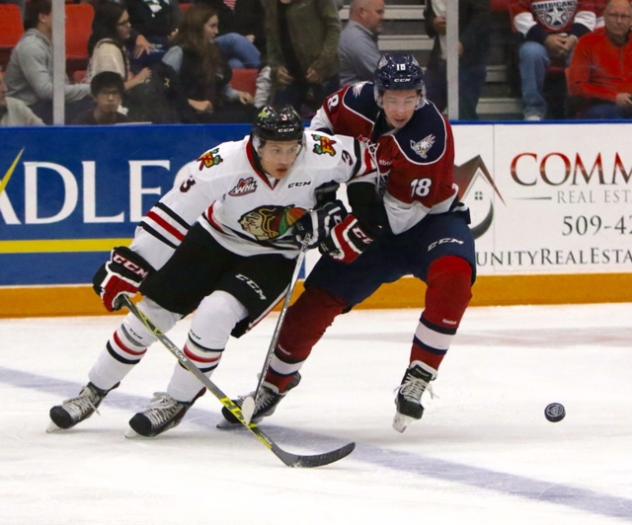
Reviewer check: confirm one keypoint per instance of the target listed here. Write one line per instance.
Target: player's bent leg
(447, 297)
(305, 323)
(211, 326)
(125, 348)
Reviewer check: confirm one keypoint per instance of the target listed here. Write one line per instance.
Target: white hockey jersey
(245, 210)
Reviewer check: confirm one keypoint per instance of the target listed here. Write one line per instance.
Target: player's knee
(449, 289)
(216, 316)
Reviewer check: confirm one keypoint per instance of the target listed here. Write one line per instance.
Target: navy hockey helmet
(398, 72)
(283, 124)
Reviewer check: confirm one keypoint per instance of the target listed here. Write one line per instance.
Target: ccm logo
(255, 287)
(361, 236)
(129, 265)
(299, 183)
(446, 240)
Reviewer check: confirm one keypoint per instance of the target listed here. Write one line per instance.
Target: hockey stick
(291, 460)
(248, 403)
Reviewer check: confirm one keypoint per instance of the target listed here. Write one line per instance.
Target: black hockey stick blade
(315, 460)
(291, 460)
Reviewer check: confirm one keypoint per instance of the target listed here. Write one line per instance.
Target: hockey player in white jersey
(223, 243)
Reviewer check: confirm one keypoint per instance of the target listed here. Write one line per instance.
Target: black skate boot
(76, 409)
(164, 413)
(265, 405)
(408, 400)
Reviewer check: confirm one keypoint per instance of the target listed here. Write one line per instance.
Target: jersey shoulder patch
(225, 152)
(322, 144)
(423, 139)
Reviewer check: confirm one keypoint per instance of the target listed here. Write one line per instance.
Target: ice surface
(483, 453)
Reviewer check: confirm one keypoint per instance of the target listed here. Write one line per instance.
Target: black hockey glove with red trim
(347, 241)
(314, 227)
(121, 275)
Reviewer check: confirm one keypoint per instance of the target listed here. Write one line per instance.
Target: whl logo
(243, 187)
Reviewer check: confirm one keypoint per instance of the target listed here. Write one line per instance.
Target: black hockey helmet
(282, 124)
(398, 72)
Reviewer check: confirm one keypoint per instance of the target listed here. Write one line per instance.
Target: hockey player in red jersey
(223, 243)
(418, 227)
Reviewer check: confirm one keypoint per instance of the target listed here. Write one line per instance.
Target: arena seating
(11, 30)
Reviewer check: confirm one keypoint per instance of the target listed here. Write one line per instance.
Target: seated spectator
(303, 38)
(203, 74)
(241, 23)
(29, 74)
(474, 31)
(600, 75)
(157, 21)
(551, 31)
(107, 89)
(358, 49)
(111, 30)
(14, 112)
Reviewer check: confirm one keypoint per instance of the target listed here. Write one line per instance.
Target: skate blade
(401, 422)
(52, 428)
(130, 433)
(227, 425)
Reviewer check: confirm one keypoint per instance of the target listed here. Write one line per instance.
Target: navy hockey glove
(121, 275)
(314, 227)
(346, 241)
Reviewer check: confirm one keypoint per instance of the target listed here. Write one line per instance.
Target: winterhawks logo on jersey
(210, 158)
(324, 146)
(554, 14)
(243, 187)
(266, 223)
(422, 147)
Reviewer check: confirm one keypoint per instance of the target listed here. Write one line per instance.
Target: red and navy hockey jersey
(417, 160)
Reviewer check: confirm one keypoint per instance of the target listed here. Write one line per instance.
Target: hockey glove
(346, 241)
(315, 226)
(121, 275)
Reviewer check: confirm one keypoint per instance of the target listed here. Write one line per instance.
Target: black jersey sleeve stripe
(173, 215)
(155, 234)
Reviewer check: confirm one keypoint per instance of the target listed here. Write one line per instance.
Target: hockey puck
(554, 412)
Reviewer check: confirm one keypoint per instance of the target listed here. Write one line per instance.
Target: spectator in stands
(358, 49)
(474, 31)
(551, 31)
(303, 38)
(107, 88)
(243, 18)
(29, 75)
(157, 21)
(14, 112)
(111, 30)
(203, 73)
(600, 75)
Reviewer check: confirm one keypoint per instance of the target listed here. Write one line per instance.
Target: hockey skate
(76, 409)
(408, 401)
(265, 405)
(163, 413)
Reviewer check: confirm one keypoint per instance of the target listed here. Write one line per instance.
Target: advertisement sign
(67, 195)
(544, 199)
(548, 199)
